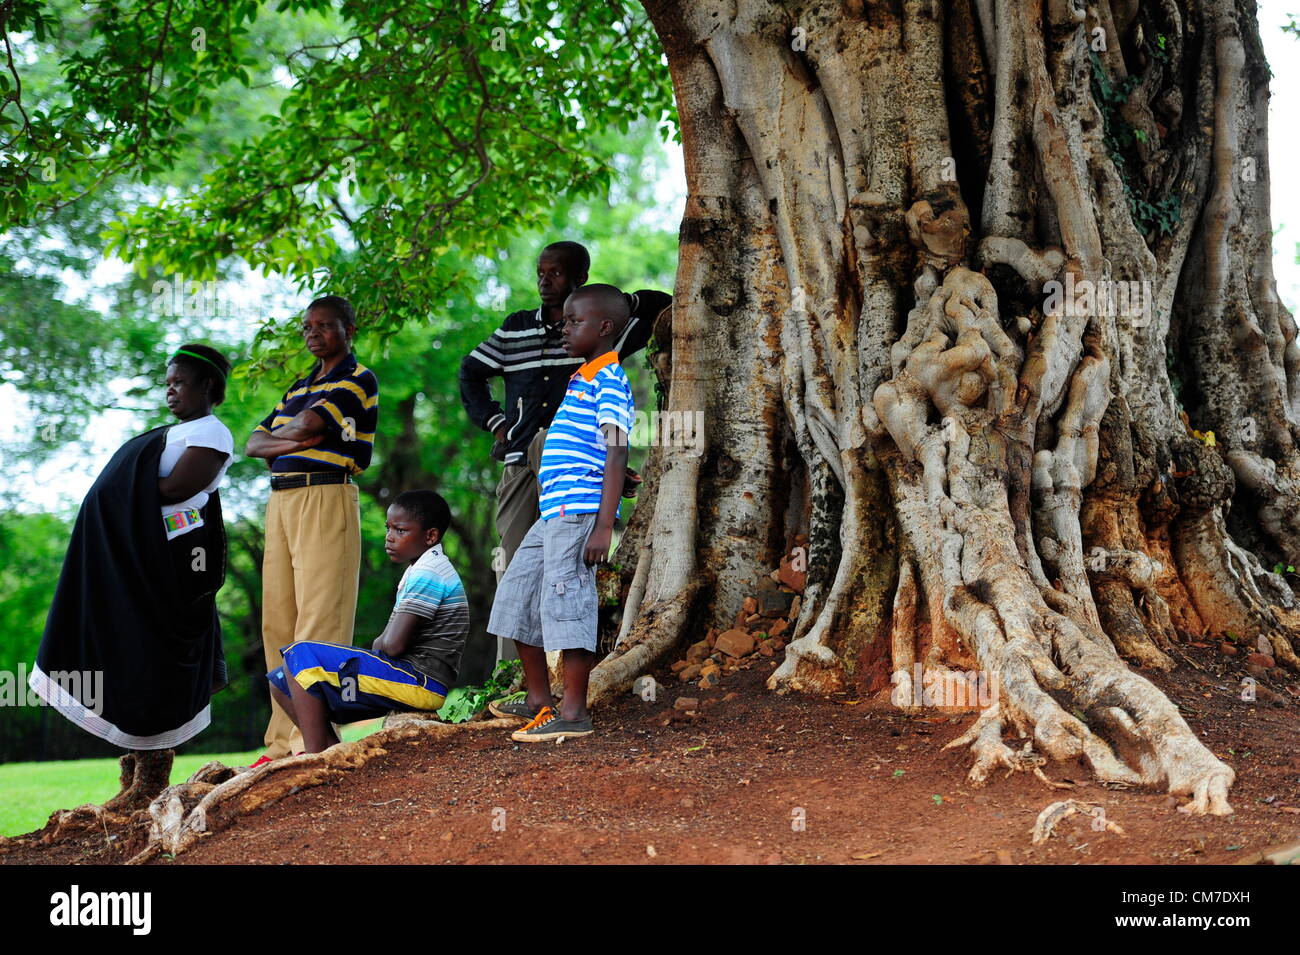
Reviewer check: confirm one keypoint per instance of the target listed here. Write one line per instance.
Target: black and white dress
(132, 644)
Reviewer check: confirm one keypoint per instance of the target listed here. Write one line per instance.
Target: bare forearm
(397, 636)
(196, 468)
(304, 431)
(305, 426)
(262, 444)
(601, 537)
(611, 486)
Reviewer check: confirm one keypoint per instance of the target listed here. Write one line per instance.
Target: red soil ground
(732, 785)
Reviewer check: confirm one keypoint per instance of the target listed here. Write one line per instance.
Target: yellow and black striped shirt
(348, 401)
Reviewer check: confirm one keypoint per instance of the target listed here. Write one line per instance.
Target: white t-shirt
(205, 432)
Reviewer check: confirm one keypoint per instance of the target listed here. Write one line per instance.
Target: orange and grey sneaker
(547, 725)
(518, 709)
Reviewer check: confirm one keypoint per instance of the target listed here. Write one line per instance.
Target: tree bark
(894, 308)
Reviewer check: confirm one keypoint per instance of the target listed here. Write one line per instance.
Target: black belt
(289, 481)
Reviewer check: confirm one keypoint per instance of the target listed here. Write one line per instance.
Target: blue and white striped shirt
(431, 589)
(573, 458)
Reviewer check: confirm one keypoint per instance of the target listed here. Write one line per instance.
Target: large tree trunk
(991, 476)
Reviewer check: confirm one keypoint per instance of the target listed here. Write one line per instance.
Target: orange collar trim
(588, 371)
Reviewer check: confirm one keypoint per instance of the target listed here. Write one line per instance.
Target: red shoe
(261, 761)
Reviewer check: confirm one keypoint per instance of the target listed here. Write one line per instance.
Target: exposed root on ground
(956, 516)
(1058, 812)
(1232, 592)
(216, 796)
(658, 632)
(984, 737)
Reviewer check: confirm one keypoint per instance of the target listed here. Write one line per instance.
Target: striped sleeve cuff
(494, 422)
(481, 354)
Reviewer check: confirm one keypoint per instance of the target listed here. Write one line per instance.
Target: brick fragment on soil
(796, 580)
(735, 643)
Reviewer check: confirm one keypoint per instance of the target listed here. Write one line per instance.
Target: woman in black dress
(132, 644)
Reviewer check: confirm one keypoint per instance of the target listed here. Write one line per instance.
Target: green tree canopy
(406, 132)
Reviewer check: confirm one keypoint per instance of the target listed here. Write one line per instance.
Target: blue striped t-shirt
(431, 589)
(573, 458)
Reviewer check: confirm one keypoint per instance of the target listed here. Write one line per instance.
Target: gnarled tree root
(1047, 821)
(1123, 726)
(70, 822)
(1061, 683)
(659, 630)
(214, 797)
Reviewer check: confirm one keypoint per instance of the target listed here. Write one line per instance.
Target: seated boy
(411, 664)
(547, 598)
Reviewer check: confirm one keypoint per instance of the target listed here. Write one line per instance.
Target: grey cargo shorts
(547, 597)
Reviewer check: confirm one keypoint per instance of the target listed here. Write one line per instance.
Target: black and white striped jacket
(530, 356)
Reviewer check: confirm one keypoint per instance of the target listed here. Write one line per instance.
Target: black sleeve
(646, 306)
(475, 370)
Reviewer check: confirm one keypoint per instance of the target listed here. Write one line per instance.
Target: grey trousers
(517, 511)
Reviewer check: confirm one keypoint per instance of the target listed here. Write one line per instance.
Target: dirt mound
(750, 776)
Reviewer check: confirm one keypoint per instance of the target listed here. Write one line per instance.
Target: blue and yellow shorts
(356, 684)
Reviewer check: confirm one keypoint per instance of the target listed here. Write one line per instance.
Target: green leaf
(459, 705)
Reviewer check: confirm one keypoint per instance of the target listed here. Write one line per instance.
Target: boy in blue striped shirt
(546, 600)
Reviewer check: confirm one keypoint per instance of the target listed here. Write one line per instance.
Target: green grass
(29, 792)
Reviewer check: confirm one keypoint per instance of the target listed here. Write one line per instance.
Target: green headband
(182, 351)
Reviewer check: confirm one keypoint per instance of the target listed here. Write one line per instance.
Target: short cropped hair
(211, 367)
(573, 253)
(611, 301)
(427, 507)
(341, 308)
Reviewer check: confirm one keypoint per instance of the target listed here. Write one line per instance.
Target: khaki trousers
(517, 511)
(309, 581)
